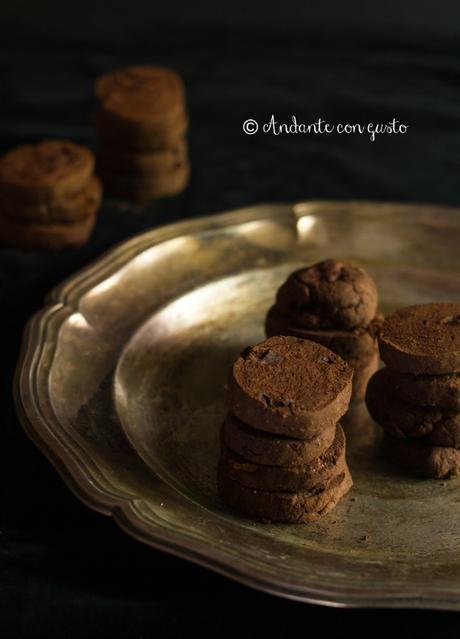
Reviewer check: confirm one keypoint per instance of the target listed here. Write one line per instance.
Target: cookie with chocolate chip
(434, 425)
(422, 460)
(289, 386)
(422, 339)
(279, 506)
(427, 390)
(349, 344)
(268, 449)
(49, 170)
(290, 478)
(328, 295)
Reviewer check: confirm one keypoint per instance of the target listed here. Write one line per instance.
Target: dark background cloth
(69, 572)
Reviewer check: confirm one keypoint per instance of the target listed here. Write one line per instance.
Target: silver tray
(120, 384)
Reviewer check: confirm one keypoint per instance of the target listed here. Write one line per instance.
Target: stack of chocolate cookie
(416, 398)
(141, 126)
(282, 448)
(49, 195)
(334, 304)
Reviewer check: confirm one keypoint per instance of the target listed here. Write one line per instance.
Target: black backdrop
(68, 572)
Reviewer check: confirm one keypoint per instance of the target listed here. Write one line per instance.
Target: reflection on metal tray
(121, 378)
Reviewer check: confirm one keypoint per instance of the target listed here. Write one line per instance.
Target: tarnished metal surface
(121, 380)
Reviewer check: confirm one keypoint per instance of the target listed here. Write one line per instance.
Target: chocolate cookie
(438, 426)
(142, 190)
(328, 295)
(350, 345)
(141, 102)
(68, 210)
(301, 507)
(273, 450)
(422, 460)
(427, 390)
(49, 170)
(288, 478)
(289, 386)
(422, 340)
(110, 158)
(45, 236)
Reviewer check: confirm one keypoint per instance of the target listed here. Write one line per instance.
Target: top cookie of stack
(141, 125)
(49, 195)
(335, 304)
(416, 399)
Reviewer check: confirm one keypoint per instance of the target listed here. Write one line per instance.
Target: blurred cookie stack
(141, 126)
(282, 449)
(49, 195)
(334, 304)
(416, 398)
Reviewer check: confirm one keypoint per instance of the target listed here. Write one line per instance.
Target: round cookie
(301, 507)
(49, 170)
(273, 450)
(68, 210)
(142, 190)
(427, 390)
(141, 102)
(423, 461)
(45, 236)
(289, 386)
(438, 426)
(111, 158)
(329, 294)
(350, 345)
(422, 339)
(288, 478)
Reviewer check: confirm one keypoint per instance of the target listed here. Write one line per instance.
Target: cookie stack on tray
(141, 125)
(282, 449)
(416, 398)
(335, 304)
(49, 195)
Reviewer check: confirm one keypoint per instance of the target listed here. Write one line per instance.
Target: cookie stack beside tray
(334, 304)
(416, 398)
(141, 125)
(282, 449)
(49, 195)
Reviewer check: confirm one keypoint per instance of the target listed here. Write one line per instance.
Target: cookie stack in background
(416, 398)
(49, 195)
(141, 125)
(282, 449)
(334, 304)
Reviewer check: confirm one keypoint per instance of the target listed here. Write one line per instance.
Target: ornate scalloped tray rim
(71, 465)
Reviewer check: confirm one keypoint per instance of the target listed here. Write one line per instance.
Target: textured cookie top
(46, 167)
(329, 294)
(290, 374)
(141, 92)
(422, 339)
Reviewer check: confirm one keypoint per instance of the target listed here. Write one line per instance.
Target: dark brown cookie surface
(48, 170)
(141, 94)
(143, 189)
(438, 426)
(66, 210)
(350, 345)
(289, 478)
(363, 371)
(301, 507)
(423, 339)
(289, 386)
(111, 158)
(273, 450)
(423, 460)
(427, 390)
(328, 295)
(51, 237)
